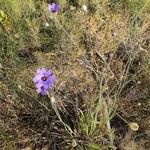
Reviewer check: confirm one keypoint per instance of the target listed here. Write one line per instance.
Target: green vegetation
(100, 58)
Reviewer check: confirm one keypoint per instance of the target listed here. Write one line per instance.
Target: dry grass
(101, 61)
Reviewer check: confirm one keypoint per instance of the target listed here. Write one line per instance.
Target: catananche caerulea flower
(53, 7)
(44, 80)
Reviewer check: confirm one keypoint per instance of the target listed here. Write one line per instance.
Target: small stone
(134, 126)
(19, 86)
(138, 82)
(72, 8)
(1, 66)
(74, 143)
(16, 36)
(46, 24)
(114, 34)
(84, 7)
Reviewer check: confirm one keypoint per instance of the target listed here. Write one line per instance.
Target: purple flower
(44, 80)
(53, 7)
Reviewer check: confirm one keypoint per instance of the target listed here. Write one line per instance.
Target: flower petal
(48, 72)
(41, 71)
(43, 92)
(53, 7)
(38, 90)
(36, 78)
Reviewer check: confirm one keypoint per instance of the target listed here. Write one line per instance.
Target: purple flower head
(44, 80)
(53, 7)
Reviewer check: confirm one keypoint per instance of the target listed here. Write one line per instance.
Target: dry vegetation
(101, 61)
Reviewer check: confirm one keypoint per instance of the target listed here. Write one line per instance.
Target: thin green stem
(52, 100)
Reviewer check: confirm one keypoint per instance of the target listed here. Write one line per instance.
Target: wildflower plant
(44, 81)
